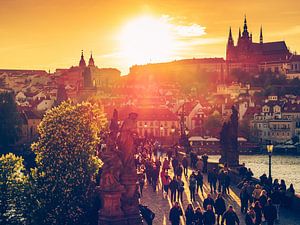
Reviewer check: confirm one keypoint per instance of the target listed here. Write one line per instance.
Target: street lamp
(270, 151)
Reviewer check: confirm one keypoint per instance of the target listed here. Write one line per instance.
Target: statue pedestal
(120, 207)
(110, 212)
(129, 199)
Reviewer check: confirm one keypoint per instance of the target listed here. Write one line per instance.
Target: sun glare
(146, 39)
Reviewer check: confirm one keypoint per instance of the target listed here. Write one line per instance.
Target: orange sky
(46, 35)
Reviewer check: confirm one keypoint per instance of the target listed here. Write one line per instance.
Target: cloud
(180, 28)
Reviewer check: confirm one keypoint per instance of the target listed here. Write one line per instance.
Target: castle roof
(272, 47)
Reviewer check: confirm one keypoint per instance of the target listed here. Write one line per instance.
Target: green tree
(213, 124)
(9, 120)
(66, 163)
(13, 186)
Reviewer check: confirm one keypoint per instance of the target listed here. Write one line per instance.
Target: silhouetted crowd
(262, 200)
(259, 201)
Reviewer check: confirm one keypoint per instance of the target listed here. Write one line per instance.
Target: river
(283, 167)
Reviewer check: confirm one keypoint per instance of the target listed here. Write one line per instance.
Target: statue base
(136, 220)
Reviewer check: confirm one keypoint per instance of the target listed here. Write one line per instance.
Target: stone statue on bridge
(229, 140)
(118, 182)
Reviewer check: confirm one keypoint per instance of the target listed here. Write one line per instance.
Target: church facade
(247, 54)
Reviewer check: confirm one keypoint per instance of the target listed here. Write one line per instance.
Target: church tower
(82, 63)
(245, 32)
(261, 40)
(91, 61)
(230, 46)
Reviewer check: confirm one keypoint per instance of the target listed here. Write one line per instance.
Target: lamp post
(270, 151)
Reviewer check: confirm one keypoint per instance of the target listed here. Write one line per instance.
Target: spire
(91, 60)
(245, 32)
(82, 61)
(230, 39)
(261, 40)
(239, 32)
(250, 37)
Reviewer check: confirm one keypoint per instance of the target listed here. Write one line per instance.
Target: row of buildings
(154, 91)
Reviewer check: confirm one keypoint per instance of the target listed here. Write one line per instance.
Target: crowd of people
(262, 199)
(259, 201)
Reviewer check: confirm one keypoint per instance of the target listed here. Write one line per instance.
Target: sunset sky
(46, 35)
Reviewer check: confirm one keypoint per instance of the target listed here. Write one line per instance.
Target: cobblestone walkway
(161, 206)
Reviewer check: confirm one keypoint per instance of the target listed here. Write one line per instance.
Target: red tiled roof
(144, 114)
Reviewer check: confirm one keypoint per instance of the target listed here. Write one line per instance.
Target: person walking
(173, 188)
(179, 170)
(165, 180)
(250, 216)
(189, 215)
(275, 196)
(185, 164)
(192, 187)
(212, 179)
(175, 214)
(175, 163)
(166, 164)
(220, 207)
(270, 212)
(244, 197)
(263, 199)
(198, 217)
(209, 217)
(141, 181)
(230, 217)
(221, 181)
(155, 175)
(258, 213)
(180, 189)
(256, 193)
(204, 160)
(226, 182)
(199, 179)
(147, 214)
(208, 201)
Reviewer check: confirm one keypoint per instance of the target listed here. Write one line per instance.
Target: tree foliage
(9, 120)
(66, 162)
(213, 123)
(13, 190)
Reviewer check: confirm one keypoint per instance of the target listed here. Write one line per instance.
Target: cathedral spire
(230, 39)
(245, 32)
(261, 40)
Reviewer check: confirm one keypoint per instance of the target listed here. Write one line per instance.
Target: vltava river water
(283, 167)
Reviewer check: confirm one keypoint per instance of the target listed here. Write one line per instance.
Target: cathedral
(247, 55)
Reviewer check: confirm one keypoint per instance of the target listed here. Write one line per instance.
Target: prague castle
(247, 54)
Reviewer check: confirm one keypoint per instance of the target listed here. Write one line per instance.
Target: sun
(146, 39)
